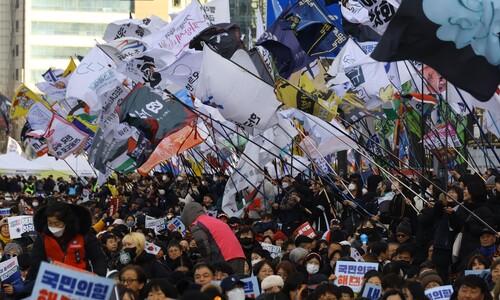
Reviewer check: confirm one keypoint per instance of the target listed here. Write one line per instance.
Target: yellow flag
(70, 68)
(294, 96)
(23, 100)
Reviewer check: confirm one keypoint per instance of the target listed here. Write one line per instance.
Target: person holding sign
(64, 236)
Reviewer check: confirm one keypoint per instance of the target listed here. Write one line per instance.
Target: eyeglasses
(128, 280)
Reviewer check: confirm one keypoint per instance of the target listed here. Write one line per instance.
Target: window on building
(176, 3)
(17, 50)
(17, 3)
(17, 74)
(17, 25)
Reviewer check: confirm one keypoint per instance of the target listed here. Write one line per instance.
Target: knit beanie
(404, 227)
(429, 276)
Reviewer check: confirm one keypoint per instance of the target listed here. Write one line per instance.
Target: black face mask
(367, 231)
(131, 251)
(246, 241)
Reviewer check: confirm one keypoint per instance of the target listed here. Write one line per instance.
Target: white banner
(178, 33)
(352, 273)
(63, 138)
(217, 11)
(372, 291)
(251, 287)
(272, 249)
(39, 117)
(55, 282)
(156, 224)
(19, 225)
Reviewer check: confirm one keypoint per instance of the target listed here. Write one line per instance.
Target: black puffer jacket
(94, 256)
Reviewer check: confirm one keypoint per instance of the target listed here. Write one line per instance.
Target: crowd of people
(421, 233)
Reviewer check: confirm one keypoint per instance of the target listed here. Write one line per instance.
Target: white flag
(185, 70)
(260, 28)
(240, 96)
(178, 33)
(63, 138)
(55, 90)
(146, 67)
(124, 48)
(94, 76)
(39, 117)
(133, 28)
(14, 147)
(217, 11)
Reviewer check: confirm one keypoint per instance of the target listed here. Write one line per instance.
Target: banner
(211, 213)
(39, 117)
(176, 225)
(443, 136)
(55, 282)
(251, 287)
(372, 291)
(19, 225)
(156, 224)
(352, 273)
(9, 271)
(63, 138)
(178, 33)
(272, 249)
(439, 293)
(217, 11)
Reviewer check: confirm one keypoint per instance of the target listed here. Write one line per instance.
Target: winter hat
(271, 281)
(311, 256)
(279, 236)
(372, 182)
(302, 239)
(404, 227)
(118, 222)
(429, 276)
(298, 254)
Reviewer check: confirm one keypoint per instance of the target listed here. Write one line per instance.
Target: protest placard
(440, 292)
(9, 271)
(155, 224)
(251, 287)
(176, 225)
(352, 273)
(304, 229)
(372, 291)
(152, 248)
(19, 225)
(272, 249)
(5, 212)
(55, 282)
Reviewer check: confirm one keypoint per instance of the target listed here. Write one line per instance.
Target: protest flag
(433, 33)
(23, 100)
(173, 144)
(152, 114)
(315, 31)
(224, 38)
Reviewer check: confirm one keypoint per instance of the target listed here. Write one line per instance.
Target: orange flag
(171, 145)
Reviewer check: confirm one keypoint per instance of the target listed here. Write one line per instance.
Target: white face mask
(236, 294)
(284, 185)
(57, 231)
(34, 204)
(312, 268)
(164, 178)
(351, 187)
(180, 178)
(255, 261)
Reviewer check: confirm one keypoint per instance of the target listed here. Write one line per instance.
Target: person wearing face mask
(133, 252)
(312, 263)
(64, 235)
(232, 287)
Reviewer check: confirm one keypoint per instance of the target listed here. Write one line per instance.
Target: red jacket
(214, 238)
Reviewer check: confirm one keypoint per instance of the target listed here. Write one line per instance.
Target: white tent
(13, 164)
(70, 165)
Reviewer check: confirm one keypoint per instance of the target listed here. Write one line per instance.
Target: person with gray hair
(11, 250)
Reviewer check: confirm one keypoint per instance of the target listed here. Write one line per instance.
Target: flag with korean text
(94, 76)
(137, 28)
(217, 11)
(185, 71)
(352, 273)
(241, 97)
(176, 35)
(124, 48)
(63, 138)
(155, 115)
(55, 90)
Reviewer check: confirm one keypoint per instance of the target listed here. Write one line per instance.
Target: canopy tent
(13, 164)
(69, 166)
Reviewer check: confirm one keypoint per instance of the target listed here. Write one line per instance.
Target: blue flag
(315, 29)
